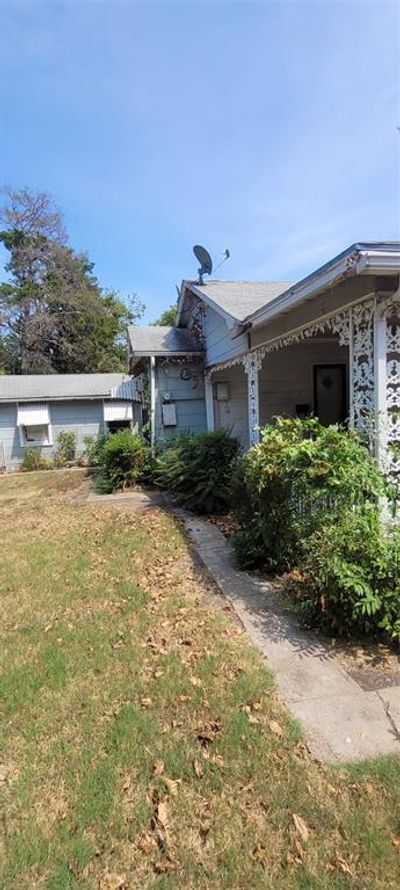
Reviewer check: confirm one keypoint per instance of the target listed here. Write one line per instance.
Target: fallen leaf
(158, 767)
(166, 864)
(162, 813)
(199, 772)
(343, 865)
(172, 785)
(112, 881)
(255, 706)
(275, 727)
(300, 826)
(146, 702)
(258, 852)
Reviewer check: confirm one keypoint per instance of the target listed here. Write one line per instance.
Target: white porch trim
(209, 396)
(252, 365)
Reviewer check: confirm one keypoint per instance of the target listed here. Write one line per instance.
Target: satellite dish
(203, 256)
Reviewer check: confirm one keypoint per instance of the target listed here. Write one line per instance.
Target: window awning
(117, 411)
(33, 414)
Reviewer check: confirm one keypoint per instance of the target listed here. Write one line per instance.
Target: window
(37, 435)
(33, 420)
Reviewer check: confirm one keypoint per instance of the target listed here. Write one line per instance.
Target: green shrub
(285, 487)
(352, 574)
(123, 460)
(34, 460)
(198, 470)
(65, 451)
(94, 448)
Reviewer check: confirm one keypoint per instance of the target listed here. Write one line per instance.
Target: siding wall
(219, 346)
(233, 413)
(286, 377)
(187, 395)
(285, 380)
(84, 417)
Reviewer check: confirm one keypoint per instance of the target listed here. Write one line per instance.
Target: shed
(35, 408)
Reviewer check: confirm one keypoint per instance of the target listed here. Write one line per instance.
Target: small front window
(37, 435)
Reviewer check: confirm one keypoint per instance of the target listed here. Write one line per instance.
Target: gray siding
(84, 417)
(286, 377)
(9, 436)
(232, 414)
(219, 345)
(187, 395)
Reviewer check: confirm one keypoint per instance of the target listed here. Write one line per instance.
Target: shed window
(37, 435)
(34, 424)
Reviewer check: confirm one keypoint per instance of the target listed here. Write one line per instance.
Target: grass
(144, 744)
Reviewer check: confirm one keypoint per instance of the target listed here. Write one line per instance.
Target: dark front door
(330, 393)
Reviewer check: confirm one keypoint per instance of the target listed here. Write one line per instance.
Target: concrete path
(341, 721)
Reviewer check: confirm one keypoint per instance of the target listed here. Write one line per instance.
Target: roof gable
(234, 300)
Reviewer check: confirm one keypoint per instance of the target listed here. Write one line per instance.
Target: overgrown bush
(33, 460)
(65, 451)
(287, 486)
(198, 470)
(94, 448)
(352, 574)
(123, 460)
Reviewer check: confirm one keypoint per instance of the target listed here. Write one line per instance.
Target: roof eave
(351, 263)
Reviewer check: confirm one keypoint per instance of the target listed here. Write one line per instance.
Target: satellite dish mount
(203, 256)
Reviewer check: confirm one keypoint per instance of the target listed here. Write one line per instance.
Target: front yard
(143, 743)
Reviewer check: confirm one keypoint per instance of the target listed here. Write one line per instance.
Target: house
(328, 345)
(35, 408)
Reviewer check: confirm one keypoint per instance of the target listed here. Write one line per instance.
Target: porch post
(152, 401)
(387, 385)
(209, 394)
(252, 365)
(380, 386)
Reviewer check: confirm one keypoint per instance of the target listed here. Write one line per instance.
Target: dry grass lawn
(143, 742)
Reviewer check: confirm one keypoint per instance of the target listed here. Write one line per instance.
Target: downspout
(152, 402)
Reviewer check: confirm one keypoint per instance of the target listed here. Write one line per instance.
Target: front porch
(341, 368)
(305, 378)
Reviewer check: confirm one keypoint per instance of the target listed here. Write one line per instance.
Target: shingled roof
(37, 387)
(237, 299)
(161, 340)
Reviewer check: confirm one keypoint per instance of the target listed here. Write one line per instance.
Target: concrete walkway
(341, 722)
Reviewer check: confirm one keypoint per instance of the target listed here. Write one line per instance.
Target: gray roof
(239, 298)
(37, 387)
(161, 340)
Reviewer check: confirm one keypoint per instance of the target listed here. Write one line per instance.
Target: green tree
(54, 315)
(168, 317)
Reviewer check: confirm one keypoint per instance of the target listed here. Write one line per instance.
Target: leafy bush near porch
(34, 460)
(94, 448)
(65, 451)
(352, 575)
(123, 461)
(286, 487)
(198, 470)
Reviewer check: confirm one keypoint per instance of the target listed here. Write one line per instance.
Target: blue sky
(268, 128)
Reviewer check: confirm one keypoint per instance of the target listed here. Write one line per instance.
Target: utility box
(169, 414)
